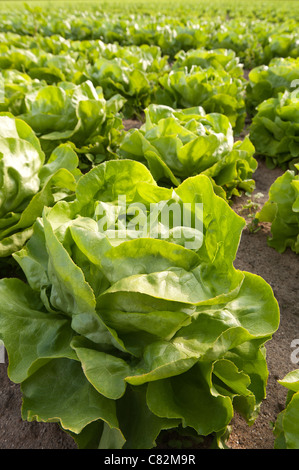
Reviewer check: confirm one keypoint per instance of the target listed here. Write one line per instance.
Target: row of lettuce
(35, 81)
(192, 110)
(256, 40)
(113, 320)
(174, 144)
(112, 323)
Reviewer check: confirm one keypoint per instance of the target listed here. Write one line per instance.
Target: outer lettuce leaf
(138, 327)
(192, 398)
(53, 331)
(134, 423)
(72, 400)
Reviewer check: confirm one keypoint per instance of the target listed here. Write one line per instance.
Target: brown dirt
(131, 124)
(281, 271)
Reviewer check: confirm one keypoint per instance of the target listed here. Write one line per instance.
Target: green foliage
(27, 183)
(215, 90)
(74, 113)
(126, 324)
(120, 336)
(268, 81)
(16, 85)
(220, 59)
(176, 144)
(116, 76)
(274, 130)
(282, 211)
(286, 429)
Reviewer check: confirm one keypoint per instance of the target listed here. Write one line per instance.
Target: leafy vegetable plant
(274, 130)
(27, 183)
(146, 58)
(213, 89)
(15, 87)
(282, 211)
(42, 65)
(282, 44)
(121, 333)
(116, 76)
(286, 429)
(267, 81)
(178, 143)
(220, 59)
(75, 113)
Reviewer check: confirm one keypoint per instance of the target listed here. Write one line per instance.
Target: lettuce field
(149, 225)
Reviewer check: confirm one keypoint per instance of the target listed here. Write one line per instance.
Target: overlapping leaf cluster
(59, 65)
(256, 41)
(74, 113)
(14, 86)
(123, 333)
(274, 130)
(66, 112)
(212, 85)
(176, 144)
(286, 428)
(220, 59)
(282, 211)
(268, 81)
(27, 183)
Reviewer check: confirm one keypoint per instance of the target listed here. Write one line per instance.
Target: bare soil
(281, 271)
(131, 124)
